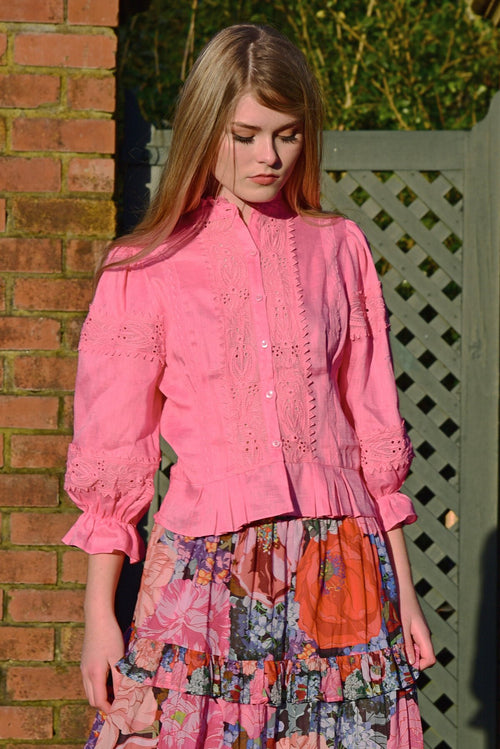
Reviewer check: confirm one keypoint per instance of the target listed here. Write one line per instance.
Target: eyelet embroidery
(135, 335)
(109, 478)
(368, 315)
(386, 450)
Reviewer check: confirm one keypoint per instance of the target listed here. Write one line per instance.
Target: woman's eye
(290, 138)
(242, 138)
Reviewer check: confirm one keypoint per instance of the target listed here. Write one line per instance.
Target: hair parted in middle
(241, 59)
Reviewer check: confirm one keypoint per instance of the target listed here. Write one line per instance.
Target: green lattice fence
(429, 203)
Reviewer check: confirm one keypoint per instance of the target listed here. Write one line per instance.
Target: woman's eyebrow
(256, 128)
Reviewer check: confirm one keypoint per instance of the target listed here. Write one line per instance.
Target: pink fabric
(261, 355)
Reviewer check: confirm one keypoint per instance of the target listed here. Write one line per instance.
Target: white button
(269, 393)
(259, 297)
(264, 344)
(276, 443)
(253, 252)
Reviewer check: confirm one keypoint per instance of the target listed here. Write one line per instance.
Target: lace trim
(289, 336)
(110, 478)
(134, 335)
(368, 315)
(390, 449)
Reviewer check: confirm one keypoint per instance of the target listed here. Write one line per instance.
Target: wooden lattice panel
(413, 221)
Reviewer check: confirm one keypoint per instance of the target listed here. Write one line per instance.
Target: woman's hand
(416, 633)
(103, 643)
(102, 648)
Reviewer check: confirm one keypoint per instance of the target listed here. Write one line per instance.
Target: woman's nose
(267, 153)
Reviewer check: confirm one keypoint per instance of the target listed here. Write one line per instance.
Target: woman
(248, 327)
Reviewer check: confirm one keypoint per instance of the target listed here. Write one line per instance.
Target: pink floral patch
(195, 617)
(182, 726)
(134, 709)
(406, 726)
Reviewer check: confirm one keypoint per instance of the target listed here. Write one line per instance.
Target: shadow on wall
(485, 684)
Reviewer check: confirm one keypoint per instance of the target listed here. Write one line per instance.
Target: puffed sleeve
(115, 449)
(368, 387)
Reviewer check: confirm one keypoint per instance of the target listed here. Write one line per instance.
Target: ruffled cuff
(103, 535)
(395, 509)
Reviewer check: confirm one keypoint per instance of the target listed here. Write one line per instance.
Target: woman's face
(258, 153)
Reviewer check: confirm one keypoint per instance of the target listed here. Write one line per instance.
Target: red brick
(27, 644)
(64, 215)
(49, 134)
(72, 333)
(45, 372)
(82, 255)
(71, 644)
(49, 11)
(28, 91)
(74, 569)
(48, 294)
(28, 567)
(28, 490)
(3, 214)
(68, 413)
(44, 683)
(65, 50)
(45, 529)
(91, 175)
(27, 605)
(93, 12)
(28, 412)
(25, 722)
(1, 451)
(76, 721)
(19, 333)
(39, 451)
(98, 94)
(30, 254)
(3, 46)
(3, 289)
(29, 175)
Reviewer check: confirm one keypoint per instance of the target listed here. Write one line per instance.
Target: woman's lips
(264, 179)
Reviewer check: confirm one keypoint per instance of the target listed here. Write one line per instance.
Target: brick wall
(57, 99)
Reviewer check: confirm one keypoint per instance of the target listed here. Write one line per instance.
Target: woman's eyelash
(249, 138)
(242, 138)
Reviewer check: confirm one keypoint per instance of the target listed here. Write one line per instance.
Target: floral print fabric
(284, 634)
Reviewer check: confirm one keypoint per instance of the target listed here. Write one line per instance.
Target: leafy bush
(382, 64)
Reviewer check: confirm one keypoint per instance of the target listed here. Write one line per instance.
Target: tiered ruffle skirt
(284, 634)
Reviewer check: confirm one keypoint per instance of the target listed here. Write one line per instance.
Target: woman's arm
(103, 642)
(415, 630)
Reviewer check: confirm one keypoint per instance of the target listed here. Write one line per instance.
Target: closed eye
(242, 138)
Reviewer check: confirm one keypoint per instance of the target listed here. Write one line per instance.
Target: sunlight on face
(258, 153)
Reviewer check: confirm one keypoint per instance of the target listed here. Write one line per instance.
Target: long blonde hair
(240, 59)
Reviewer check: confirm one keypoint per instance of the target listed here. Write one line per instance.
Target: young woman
(248, 327)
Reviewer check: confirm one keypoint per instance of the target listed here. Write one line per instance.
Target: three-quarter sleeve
(115, 449)
(368, 388)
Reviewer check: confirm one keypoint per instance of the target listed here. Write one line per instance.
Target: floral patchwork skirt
(284, 634)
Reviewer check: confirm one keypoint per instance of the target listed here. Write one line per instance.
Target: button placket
(262, 334)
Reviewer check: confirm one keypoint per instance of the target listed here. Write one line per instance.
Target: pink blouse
(260, 353)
